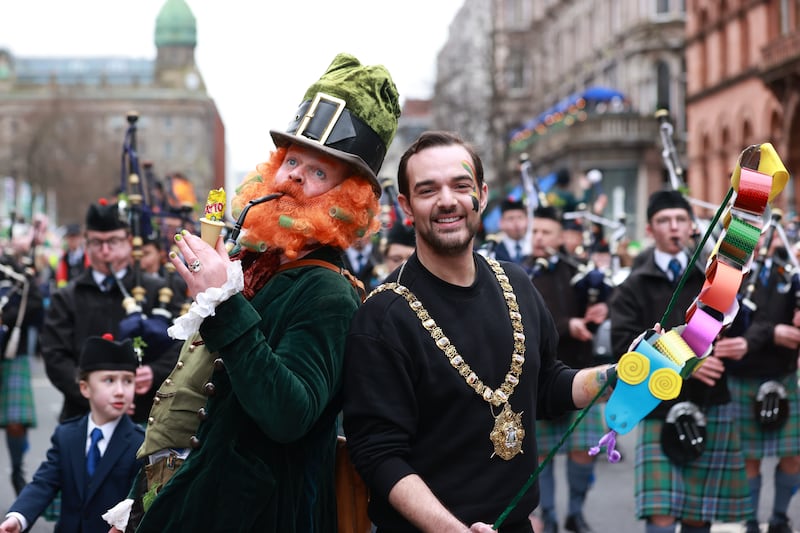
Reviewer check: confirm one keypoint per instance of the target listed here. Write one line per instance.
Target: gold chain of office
(508, 432)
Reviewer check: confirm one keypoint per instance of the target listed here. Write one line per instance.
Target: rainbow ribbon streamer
(655, 368)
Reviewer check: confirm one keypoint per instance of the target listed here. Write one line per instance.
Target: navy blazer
(83, 500)
(501, 253)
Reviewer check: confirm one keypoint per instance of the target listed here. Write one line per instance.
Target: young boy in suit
(92, 460)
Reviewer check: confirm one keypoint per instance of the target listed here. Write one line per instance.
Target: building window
(703, 52)
(662, 85)
(615, 13)
(785, 17)
(514, 13)
(610, 75)
(516, 70)
(662, 6)
(744, 42)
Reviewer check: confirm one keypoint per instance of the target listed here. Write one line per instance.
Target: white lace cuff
(118, 515)
(205, 303)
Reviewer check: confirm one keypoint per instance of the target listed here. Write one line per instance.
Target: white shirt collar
(107, 429)
(511, 246)
(352, 254)
(662, 260)
(99, 277)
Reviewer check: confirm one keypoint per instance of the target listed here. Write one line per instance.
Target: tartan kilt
(16, 393)
(757, 443)
(712, 488)
(586, 434)
(53, 511)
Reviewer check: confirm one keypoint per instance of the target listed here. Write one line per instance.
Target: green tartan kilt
(757, 443)
(16, 393)
(53, 511)
(586, 434)
(712, 488)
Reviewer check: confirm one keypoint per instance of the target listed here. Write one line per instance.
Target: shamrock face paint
(476, 204)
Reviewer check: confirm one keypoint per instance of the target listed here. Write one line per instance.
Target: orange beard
(295, 222)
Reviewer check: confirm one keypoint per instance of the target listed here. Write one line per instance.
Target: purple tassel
(609, 440)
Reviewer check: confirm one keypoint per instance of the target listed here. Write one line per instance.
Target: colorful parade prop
(655, 367)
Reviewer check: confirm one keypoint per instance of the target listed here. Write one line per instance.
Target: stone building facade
(743, 67)
(543, 57)
(63, 120)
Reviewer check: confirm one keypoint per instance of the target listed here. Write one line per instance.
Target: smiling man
(449, 362)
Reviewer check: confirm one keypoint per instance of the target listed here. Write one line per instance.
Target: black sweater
(407, 410)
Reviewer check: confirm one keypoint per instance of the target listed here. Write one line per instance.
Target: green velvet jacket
(265, 458)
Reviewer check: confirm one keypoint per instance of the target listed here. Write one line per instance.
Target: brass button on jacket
(209, 389)
(219, 364)
(194, 442)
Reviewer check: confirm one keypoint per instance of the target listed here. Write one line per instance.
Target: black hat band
(326, 121)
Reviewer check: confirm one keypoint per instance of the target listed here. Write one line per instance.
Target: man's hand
(787, 336)
(596, 313)
(709, 370)
(731, 348)
(480, 527)
(144, 379)
(578, 330)
(213, 263)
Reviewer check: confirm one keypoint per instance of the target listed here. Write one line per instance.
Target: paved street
(609, 508)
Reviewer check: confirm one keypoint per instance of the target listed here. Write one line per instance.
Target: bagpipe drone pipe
(676, 174)
(592, 282)
(657, 362)
(151, 330)
(14, 296)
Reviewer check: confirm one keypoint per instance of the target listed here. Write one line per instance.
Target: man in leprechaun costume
(272, 319)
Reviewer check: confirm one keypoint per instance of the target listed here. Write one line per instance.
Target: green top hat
(350, 113)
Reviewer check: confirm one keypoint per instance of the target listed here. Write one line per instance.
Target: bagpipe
(14, 290)
(151, 330)
(675, 171)
(532, 195)
(593, 283)
(393, 223)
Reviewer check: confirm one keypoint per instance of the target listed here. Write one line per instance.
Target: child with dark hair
(92, 459)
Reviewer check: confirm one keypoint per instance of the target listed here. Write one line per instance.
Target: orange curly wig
(337, 218)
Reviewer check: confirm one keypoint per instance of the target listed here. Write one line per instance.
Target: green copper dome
(176, 25)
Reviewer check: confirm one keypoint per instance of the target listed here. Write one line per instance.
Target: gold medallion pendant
(507, 434)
